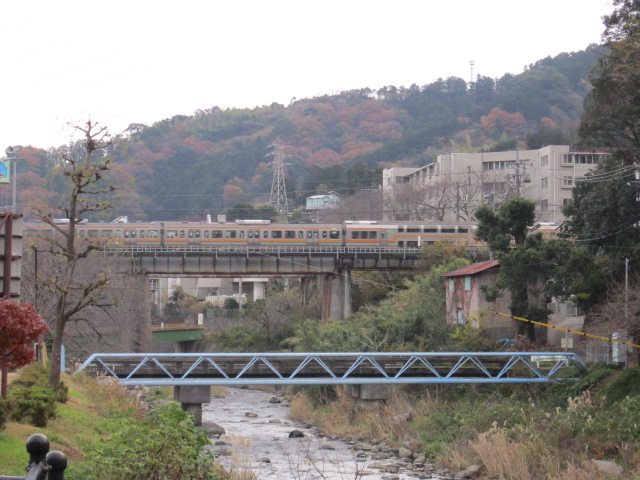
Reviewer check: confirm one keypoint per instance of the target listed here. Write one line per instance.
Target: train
(368, 233)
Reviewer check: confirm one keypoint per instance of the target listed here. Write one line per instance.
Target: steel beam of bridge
(259, 260)
(236, 369)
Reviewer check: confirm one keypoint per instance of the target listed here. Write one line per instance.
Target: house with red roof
(466, 302)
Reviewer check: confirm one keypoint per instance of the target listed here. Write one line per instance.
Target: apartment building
(453, 186)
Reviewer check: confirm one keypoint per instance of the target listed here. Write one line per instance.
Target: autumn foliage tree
(20, 327)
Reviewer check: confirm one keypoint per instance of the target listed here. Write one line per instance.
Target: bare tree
(82, 165)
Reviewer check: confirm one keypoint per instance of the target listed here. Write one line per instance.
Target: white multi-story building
(453, 186)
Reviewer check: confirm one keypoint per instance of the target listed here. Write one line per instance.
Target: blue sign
(5, 167)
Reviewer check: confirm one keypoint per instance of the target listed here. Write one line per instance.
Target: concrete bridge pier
(191, 397)
(336, 298)
(368, 397)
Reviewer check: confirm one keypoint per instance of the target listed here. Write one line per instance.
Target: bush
(31, 398)
(4, 413)
(35, 404)
(167, 446)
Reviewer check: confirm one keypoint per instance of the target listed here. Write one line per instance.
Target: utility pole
(278, 189)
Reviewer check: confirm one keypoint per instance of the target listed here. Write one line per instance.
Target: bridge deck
(331, 368)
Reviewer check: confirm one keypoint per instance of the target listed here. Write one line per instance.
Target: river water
(257, 440)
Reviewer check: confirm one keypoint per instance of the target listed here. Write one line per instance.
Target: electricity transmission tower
(278, 188)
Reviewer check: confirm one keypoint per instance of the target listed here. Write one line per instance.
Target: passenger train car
(265, 233)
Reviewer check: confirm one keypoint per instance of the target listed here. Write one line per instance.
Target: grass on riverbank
(517, 432)
(97, 414)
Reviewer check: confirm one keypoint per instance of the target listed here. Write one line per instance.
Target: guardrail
(246, 249)
(43, 465)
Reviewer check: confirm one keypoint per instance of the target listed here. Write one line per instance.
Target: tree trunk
(56, 358)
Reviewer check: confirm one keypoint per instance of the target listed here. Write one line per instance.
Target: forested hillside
(190, 166)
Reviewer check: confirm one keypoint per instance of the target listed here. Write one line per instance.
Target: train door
(383, 235)
(313, 237)
(193, 236)
(253, 237)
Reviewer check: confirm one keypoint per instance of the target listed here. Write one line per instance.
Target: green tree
(611, 116)
(240, 211)
(521, 264)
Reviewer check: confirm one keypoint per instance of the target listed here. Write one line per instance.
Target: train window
(216, 234)
(126, 234)
(141, 233)
(448, 230)
(181, 233)
(250, 233)
(265, 234)
(205, 234)
(276, 234)
(400, 244)
(413, 229)
(93, 234)
(133, 234)
(117, 233)
(355, 235)
(383, 235)
(290, 234)
(364, 235)
(400, 229)
(430, 230)
(324, 234)
(170, 233)
(334, 235)
(197, 233)
(231, 234)
(300, 234)
(373, 235)
(152, 234)
(190, 233)
(315, 234)
(463, 230)
(309, 234)
(412, 244)
(241, 233)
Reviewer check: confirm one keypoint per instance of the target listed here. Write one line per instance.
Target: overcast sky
(140, 61)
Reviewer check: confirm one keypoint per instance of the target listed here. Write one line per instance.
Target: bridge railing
(331, 368)
(247, 249)
(43, 465)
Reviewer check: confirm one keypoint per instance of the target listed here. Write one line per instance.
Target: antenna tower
(471, 64)
(278, 188)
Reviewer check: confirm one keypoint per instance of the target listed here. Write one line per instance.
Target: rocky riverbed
(250, 431)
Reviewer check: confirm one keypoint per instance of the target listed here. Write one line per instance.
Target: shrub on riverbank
(106, 433)
(537, 432)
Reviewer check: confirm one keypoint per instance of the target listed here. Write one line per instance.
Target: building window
(467, 283)
(544, 182)
(460, 318)
(544, 160)
(544, 205)
(452, 285)
(568, 182)
(566, 201)
(153, 285)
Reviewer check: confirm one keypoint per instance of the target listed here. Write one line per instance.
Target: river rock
(296, 434)
(251, 415)
(213, 429)
(275, 400)
(405, 453)
(471, 472)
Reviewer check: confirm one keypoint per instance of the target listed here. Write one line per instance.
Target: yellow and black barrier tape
(597, 337)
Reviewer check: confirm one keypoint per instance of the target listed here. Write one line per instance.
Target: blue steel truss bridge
(238, 369)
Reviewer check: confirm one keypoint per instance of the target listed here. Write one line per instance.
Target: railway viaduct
(332, 264)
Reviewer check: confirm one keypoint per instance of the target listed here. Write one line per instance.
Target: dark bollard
(37, 447)
(43, 465)
(57, 462)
